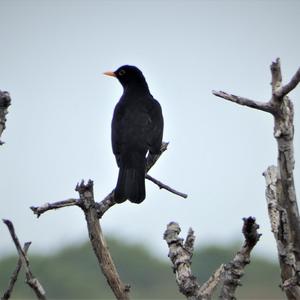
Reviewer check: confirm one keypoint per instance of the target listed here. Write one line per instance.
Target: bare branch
(99, 245)
(38, 210)
(108, 201)
(267, 107)
(164, 186)
(278, 90)
(93, 211)
(287, 210)
(152, 159)
(104, 205)
(181, 256)
(211, 284)
(235, 269)
(30, 279)
(284, 90)
(5, 102)
(15, 274)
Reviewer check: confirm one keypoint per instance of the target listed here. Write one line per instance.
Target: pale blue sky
(52, 56)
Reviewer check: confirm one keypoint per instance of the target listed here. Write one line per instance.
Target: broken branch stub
(5, 102)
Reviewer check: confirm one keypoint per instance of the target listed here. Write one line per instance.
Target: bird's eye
(122, 72)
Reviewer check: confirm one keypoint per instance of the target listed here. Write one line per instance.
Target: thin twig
(15, 274)
(30, 279)
(38, 210)
(267, 107)
(164, 186)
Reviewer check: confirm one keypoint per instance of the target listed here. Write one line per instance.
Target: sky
(52, 57)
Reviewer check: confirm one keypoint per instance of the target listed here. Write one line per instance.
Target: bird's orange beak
(109, 73)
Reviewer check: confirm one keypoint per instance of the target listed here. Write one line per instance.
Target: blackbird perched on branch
(137, 127)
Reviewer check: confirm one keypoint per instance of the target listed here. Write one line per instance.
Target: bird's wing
(116, 126)
(157, 126)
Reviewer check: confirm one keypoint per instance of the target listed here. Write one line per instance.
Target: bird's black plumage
(137, 127)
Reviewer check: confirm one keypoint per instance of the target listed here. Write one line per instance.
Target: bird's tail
(131, 182)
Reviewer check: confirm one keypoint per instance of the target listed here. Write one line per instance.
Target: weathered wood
(31, 280)
(281, 229)
(181, 256)
(15, 274)
(267, 107)
(38, 210)
(5, 102)
(284, 135)
(98, 242)
(284, 213)
(235, 269)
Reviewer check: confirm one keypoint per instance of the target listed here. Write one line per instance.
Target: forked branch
(284, 90)
(98, 242)
(281, 192)
(30, 279)
(181, 256)
(15, 274)
(109, 201)
(93, 212)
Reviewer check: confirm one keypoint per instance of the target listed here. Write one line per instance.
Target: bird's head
(129, 76)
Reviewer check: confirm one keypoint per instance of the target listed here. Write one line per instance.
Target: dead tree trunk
(281, 193)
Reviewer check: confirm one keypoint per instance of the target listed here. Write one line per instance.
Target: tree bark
(281, 230)
(98, 242)
(31, 280)
(284, 135)
(5, 102)
(181, 256)
(281, 193)
(15, 274)
(235, 269)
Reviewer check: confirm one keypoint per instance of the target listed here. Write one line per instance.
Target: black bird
(137, 127)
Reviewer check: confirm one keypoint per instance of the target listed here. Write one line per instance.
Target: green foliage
(73, 273)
